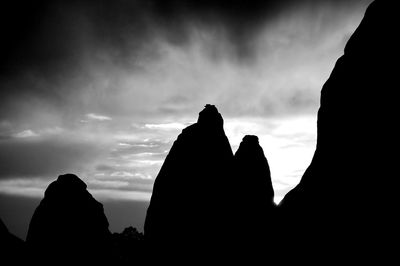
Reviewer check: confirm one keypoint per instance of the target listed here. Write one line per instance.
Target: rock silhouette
(12, 249)
(204, 195)
(208, 203)
(347, 194)
(256, 206)
(190, 199)
(339, 199)
(69, 225)
(128, 247)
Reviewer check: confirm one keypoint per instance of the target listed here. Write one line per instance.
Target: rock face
(348, 191)
(69, 224)
(12, 249)
(254, 188)
(207, 203)
(191, 194)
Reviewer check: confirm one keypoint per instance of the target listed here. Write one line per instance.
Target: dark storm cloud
(47, 33)
(48, 44)
(44, 58)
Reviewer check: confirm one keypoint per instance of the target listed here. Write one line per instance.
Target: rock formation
(12, 249)
(256, 206)
(207, 203)
(69, 224)
(128, 247)
(348, 192)
(190, 198)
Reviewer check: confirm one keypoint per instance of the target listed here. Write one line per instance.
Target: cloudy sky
(102, 89)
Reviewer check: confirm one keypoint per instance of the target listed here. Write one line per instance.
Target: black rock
(12, 249)
(69, 225)
(128, 247)
(348, 193)
(192, 195)
(254, 189)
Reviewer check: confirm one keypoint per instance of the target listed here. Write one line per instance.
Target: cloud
(101, 190)
(26, 134)
(122, 174)
(104, 167)
(108, 23)
(167, 126)
(98, 117)
(107, 194)
(157, 59)
(34, 187)
(110, 184)
(44, 157)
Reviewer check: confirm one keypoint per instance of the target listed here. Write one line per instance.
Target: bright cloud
(102, 190)
(26, 134)
(167, 126)
(98, 117)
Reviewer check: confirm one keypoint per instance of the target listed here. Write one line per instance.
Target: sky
(101, 89)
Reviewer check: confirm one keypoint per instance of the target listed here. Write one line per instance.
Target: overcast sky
(102, 88)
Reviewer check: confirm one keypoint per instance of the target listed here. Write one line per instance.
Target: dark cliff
(348, 191)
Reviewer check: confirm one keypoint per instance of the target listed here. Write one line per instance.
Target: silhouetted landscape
(345, 201)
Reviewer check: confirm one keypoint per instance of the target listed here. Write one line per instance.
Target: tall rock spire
(191, 192)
